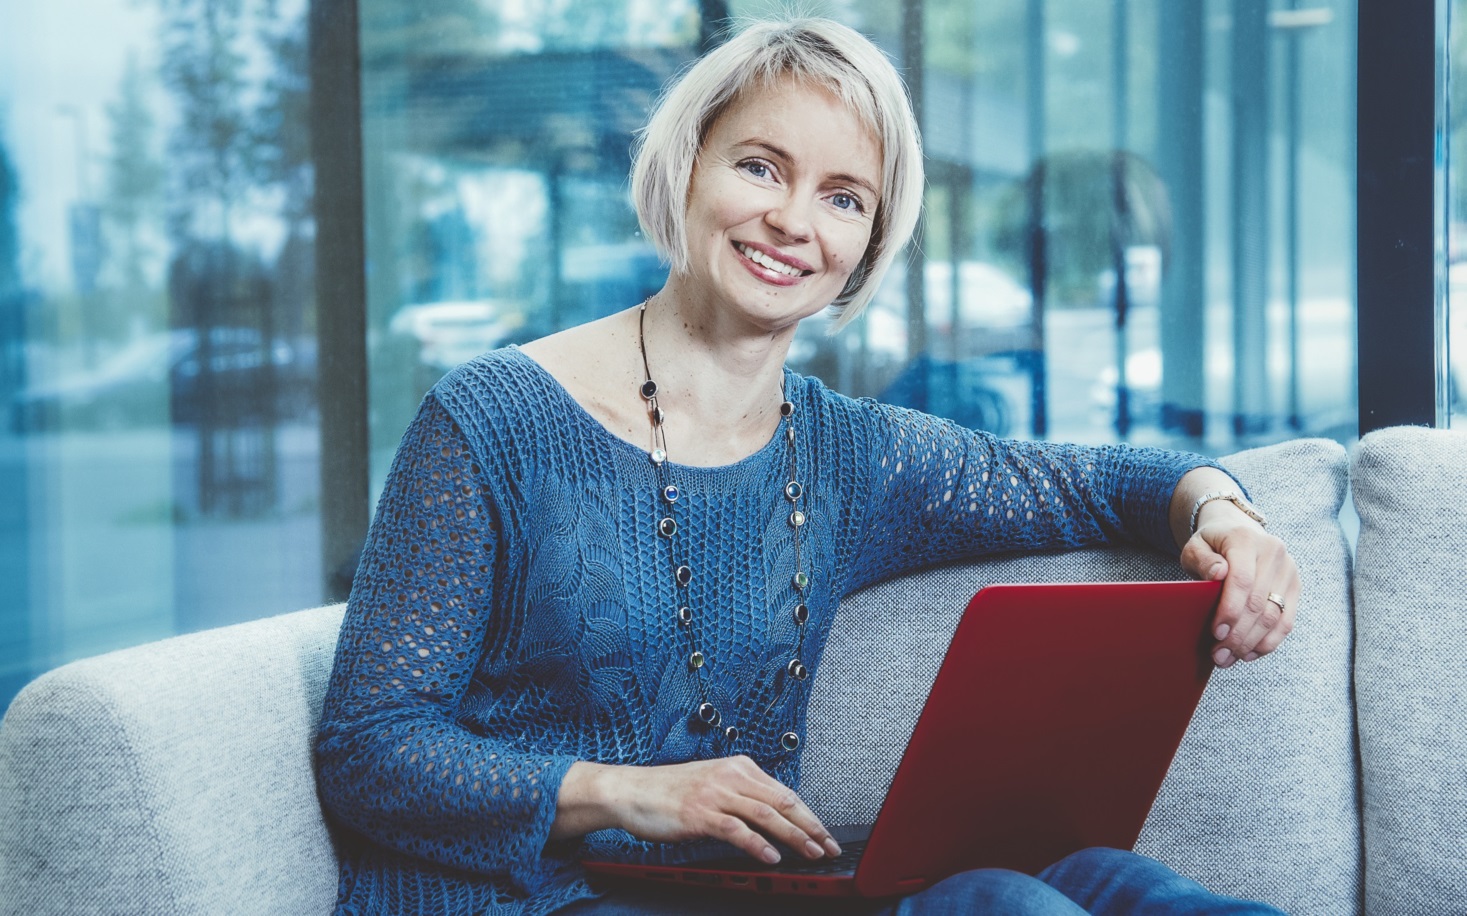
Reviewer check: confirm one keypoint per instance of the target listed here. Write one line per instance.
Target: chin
(775, 315)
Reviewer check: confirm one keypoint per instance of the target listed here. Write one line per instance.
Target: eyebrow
(842, 177)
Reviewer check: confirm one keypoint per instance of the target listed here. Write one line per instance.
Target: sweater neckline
(580, 415)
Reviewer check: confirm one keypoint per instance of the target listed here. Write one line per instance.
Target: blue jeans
(1097, 881)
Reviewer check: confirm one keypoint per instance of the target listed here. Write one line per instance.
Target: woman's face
(781, 204)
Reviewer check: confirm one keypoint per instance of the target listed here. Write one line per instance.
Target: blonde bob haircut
(817, 52)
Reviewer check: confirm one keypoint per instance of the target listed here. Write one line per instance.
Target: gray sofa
(1329, 778)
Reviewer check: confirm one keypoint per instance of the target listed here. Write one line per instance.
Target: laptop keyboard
(846, 861)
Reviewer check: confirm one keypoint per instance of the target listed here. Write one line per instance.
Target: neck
(719, 386)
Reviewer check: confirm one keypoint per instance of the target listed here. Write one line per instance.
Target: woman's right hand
(728, 799)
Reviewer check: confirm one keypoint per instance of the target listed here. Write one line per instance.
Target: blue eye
(847, 202)
(756, 168)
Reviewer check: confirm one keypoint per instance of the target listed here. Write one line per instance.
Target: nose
(790, 217)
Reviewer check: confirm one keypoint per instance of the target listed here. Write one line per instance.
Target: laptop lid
(1048, 729)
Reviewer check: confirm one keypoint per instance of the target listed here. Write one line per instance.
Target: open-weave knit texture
(514, 608)
(1411, 667)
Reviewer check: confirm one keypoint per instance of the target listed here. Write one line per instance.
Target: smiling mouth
(768, 263)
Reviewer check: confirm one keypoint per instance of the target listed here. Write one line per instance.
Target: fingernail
(831, 846)
(1250, 656)
(813, 849)
(1215, 571)
(771, 855)
(1222, 658)
(1222, 631)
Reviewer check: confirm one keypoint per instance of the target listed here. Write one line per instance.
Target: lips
(767, 258)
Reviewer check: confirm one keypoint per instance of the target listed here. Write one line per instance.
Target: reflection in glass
(1126, 201)
(1139, 226)
(1452, 323)
(158, 457)
(496, 163)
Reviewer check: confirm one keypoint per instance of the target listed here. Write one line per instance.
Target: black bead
(731, 733)
(685, 616)
(789, 741)
(658, 416)
(649, 389)
(709, 715)
(684, 575)
(786, 409)
(667, 527)
(797, 669)
(802, 614)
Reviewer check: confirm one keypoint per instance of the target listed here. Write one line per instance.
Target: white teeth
(764, 260)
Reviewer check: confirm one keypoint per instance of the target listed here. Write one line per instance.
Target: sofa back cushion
(174, 778)
(1410, 488)
(1261, 800)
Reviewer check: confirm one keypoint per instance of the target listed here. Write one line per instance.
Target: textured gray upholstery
(1261, 800)
(173, 778)
(1411, 667)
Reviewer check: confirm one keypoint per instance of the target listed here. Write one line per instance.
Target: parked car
(161, 377)
(449, 333)
(995, 319)
(1323, 374)
(989, 297)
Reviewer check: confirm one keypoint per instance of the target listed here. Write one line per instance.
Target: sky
(60, 64)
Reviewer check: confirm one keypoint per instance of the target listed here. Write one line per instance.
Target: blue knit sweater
(514, 610)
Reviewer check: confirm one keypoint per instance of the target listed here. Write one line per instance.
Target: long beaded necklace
(707, 715)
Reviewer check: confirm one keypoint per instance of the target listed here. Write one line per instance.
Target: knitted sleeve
(942, 493)
(393, 762)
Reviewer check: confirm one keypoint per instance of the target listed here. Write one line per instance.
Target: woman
(605, 564)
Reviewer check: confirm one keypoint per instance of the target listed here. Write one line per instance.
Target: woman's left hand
(1260, 582)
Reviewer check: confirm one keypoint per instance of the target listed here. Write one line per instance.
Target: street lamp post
(85, 236)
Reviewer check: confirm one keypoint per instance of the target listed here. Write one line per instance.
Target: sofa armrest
(171, 778)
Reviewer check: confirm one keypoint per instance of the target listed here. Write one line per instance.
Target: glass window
(496, 142)
(159, 461)
(1139, 220)
(1139, 226)
(1452, 321)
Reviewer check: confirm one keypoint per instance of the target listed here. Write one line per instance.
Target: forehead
(804, 119)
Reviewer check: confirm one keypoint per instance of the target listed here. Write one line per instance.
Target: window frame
(1401, 166)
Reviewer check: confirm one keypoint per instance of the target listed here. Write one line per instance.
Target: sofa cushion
(1261, 801)
(1410, 488)
(172, 778)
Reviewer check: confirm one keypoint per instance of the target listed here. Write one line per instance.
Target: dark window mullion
(1397, 212)
(341, 293)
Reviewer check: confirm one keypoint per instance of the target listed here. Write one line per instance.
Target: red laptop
(1048, 729)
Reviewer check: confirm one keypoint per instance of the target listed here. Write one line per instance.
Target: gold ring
(1278, 599)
